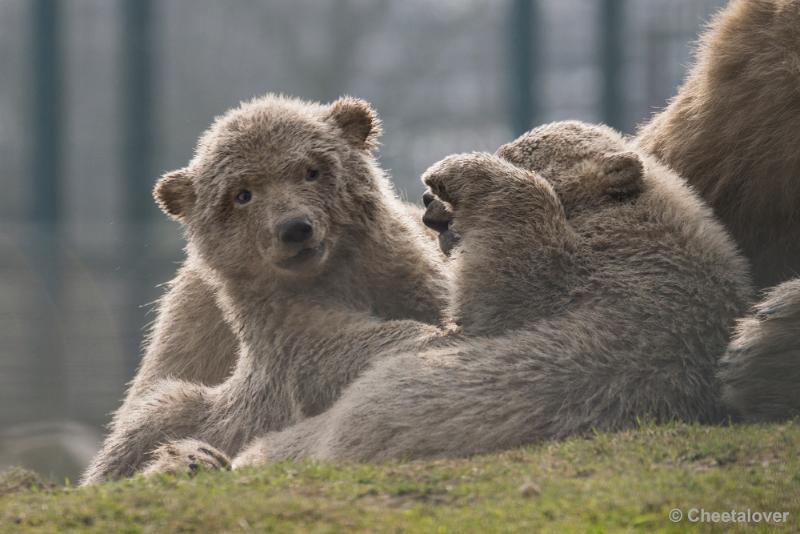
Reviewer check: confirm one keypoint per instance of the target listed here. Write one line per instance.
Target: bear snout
(295, 231)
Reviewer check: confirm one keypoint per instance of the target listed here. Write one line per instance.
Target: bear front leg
(517, 249)
(173, 410)
(189, 340)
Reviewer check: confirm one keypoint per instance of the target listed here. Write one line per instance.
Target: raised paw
(463, 179)
(487, 193)
(186, 456)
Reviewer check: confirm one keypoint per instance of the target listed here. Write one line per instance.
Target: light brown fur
(365, 255)
(589, 293)
(732, 132)
(190, 339)
(761, 369)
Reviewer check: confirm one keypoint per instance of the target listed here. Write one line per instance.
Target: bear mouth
(304, 257)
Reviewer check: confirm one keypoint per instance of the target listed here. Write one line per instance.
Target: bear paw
(439, 218)
(186, 456)
(483, 191)
(462, 179)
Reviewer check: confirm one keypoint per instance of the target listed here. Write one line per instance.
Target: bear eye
(243, 197)
(312, 174)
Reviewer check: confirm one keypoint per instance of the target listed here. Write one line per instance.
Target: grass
(627, 481)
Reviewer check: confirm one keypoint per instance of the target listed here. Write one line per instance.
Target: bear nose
(295, 231)
(427, 198)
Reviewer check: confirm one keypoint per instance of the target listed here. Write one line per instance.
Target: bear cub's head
(274, 186)
(590, 167)
(587, 165)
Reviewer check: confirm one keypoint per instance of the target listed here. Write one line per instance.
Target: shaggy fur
(761, 370)
(190, 339)
(592, 293)
(297, 161)
(732, 133)
(729, 131)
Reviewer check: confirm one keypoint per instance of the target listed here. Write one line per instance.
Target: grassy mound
(607, 482)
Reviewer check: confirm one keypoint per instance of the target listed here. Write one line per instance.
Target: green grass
(604, 483)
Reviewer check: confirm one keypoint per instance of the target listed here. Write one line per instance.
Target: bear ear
(357, 120)
(622, 175)
(174, 194)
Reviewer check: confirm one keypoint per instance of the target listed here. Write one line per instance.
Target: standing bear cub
(285, 211)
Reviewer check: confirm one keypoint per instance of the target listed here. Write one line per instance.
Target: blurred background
(102, 96)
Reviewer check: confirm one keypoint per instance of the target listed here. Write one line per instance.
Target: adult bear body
(731, 131)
